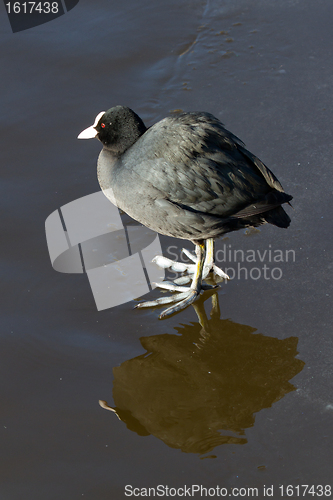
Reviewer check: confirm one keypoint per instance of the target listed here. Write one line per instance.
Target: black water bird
(186, 177)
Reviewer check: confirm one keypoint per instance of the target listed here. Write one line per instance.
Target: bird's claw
(180, 301)
(181, 267)
(184, 297)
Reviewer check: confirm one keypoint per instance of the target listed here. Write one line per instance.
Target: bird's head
(117, 129)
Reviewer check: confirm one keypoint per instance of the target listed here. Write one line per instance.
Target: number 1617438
(32, 7)
(302, 490)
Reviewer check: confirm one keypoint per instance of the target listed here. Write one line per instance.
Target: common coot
(186, 177)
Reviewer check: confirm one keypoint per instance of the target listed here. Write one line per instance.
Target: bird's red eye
(103, 125)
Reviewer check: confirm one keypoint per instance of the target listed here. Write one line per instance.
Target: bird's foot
(220, 272)
(196, 272)
(173, 265)
(185, 297)
(181, 267)
(176, 285)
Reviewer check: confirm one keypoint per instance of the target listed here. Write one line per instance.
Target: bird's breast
(106, 167)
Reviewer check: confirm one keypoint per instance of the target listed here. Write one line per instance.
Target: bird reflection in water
(200, 388)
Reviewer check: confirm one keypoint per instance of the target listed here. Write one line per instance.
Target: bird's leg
(186, 298)
(209, 261)
(213, 267)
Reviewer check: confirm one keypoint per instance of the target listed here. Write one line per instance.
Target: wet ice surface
(263, 68)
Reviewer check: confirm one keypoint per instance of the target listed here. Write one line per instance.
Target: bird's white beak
(88, 133)
(91, 132)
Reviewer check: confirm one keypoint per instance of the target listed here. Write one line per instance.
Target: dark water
(242, 398)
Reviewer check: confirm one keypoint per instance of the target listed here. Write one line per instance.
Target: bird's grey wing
(202, 167)
(267, 174)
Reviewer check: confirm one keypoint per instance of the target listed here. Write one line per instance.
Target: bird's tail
(278, 217)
